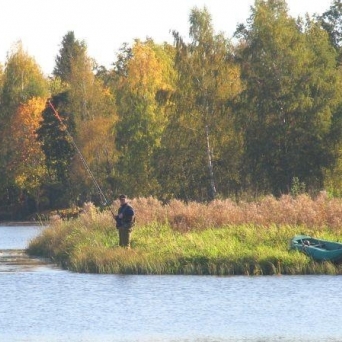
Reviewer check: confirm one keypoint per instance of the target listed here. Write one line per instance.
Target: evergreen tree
(71, 49)
(92, 105)
(57, 147)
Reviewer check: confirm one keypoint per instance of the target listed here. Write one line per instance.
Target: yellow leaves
(27, 163)
(23, 78)
(29, 115)
(147, 71)
(141, 65)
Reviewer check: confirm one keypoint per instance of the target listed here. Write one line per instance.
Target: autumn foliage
(27, 163)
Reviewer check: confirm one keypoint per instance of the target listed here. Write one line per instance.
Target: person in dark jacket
(125, 221)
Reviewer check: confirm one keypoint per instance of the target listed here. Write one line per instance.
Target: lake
(40, 302)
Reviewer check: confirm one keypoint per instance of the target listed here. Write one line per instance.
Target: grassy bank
(221, 238)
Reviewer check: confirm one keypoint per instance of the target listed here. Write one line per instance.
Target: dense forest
(212, 117)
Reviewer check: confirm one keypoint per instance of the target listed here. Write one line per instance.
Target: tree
(331, 21)
(57, 147)
(22, 80)
(207, 80)
(96, 141)
(27, 164)
(142, 74)
(93, 109)
(70, 51)
(291, 90)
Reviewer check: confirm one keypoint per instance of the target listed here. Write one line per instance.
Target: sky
(105, 25)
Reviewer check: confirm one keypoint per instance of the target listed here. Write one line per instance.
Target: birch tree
(207, 80)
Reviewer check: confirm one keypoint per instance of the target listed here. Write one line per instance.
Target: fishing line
(103, 198)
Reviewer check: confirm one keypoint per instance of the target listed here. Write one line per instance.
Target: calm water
(44, 303)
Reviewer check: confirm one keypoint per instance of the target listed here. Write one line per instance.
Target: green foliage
(291, 92)
(331, 21)
(201, 129)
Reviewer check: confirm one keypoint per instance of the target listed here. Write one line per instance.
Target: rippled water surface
(44, 303)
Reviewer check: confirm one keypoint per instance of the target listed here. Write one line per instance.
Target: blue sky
(106, 24)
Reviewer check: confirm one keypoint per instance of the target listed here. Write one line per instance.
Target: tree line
(260, 113)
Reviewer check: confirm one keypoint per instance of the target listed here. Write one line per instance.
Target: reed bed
(319, 212)
(218, 238)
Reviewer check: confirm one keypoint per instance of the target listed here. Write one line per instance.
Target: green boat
(317, 249)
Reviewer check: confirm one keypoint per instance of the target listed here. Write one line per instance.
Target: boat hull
(317, 249)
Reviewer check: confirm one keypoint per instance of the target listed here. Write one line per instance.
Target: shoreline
(19, 223)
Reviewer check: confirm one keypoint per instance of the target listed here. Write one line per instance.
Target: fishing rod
(103, 198)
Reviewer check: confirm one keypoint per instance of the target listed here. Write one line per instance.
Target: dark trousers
(124, 237)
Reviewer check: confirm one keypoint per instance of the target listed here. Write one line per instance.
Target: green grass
(90, 244)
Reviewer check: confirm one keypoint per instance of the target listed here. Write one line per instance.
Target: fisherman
(125, 220)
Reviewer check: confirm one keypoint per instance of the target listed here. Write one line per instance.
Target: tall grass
(219, 238)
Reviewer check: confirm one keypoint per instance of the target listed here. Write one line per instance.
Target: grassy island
(219, 238)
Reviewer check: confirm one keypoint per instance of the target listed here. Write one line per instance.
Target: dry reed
(321, 212)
